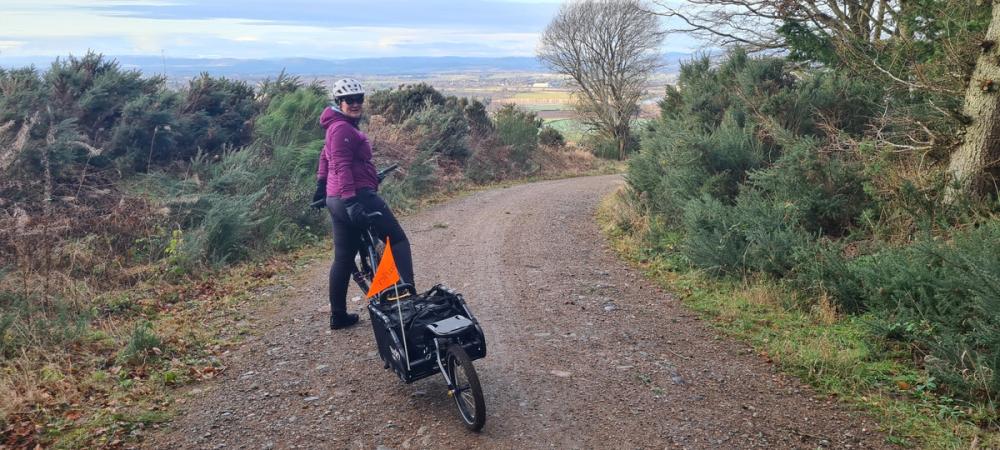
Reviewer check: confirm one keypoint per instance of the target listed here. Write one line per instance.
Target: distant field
(543, 96)
(571, 129)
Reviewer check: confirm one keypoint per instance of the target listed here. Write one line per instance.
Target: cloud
(10, 45)
(430, 14)
(265, 28)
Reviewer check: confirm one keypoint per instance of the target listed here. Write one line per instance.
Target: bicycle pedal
(451, 392)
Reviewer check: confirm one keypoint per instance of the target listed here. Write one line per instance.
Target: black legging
(347, 240)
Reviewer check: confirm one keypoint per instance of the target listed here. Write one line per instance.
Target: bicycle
(419, 335)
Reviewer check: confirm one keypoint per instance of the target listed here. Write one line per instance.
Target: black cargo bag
(418, 311)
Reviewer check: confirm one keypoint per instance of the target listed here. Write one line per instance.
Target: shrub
(142, 342)
(757, 234)
(606, 147)
(443, 130)
(775, 242)
(291, 118)
(551, 137)
(954, 287)
(519, 130)
(401, 103)
(824, 192)
(679, 162)
(711, 240)
(489, 162)
(420, 176)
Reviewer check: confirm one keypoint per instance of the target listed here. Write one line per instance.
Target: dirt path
(583, 353)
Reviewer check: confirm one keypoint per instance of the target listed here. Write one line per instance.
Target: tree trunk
(970, 165)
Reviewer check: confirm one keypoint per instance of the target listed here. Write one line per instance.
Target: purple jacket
(346, 161)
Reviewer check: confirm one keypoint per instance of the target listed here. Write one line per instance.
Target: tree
(608, 49)
(763, 24)
(979, 153)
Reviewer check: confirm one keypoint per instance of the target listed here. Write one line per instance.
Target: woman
(348, 180)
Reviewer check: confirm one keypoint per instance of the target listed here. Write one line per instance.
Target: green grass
(839, 355)
(571, 129)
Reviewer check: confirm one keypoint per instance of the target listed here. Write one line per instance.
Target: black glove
(356, 212)
(320, 194)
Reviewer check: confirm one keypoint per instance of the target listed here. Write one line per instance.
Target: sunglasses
(356, 99)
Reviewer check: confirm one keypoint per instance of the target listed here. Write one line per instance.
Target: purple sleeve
(321, 171)
(342, 141)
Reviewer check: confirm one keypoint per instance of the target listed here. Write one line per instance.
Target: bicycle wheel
(468, 393)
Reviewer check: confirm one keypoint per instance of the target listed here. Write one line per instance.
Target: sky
(329, 29)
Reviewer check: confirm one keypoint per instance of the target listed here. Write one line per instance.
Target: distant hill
(252, 68)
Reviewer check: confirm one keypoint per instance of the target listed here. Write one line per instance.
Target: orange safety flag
(386, 275)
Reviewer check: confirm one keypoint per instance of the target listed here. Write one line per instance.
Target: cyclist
(347, 178)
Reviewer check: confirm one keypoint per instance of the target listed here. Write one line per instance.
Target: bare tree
(609, 49)
(754, 23)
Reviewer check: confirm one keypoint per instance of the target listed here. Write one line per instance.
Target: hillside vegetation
(807, 201)
(131, 215)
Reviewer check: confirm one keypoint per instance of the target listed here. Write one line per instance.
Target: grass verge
(109, 378)
(839, 355)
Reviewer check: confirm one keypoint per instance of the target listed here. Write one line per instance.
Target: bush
(489, 162)
(519, 130)
(551, 137)
(711, 240)
(142, 343)
(679, 162)
(606, 147)
(443, 131)
(756, 235)
(824, 192)
(401, 103)
(954, 287)
(291, 118)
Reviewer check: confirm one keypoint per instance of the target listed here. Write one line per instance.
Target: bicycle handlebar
(381, 176)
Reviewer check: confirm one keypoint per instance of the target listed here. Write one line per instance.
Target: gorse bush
(823, 192)
(443, 131)
(451, 135)
(406, 100)
(551, 137)
(290, 119)
(766, 170)
(950, 288)
(519, 130)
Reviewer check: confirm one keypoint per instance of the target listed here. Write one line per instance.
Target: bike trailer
(430, 320)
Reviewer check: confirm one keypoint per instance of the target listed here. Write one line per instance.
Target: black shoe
(342, 320)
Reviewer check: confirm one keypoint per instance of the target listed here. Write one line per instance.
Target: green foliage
(823, 193)
(518, 129)
(760, 171)
(420, 179)
(755, 235)
(711, 241)
(290, 118)
(141, 345)
(606, 147)
(944, 292)
(28, 321)
(401, 103)
(443, 129)
(551, 137)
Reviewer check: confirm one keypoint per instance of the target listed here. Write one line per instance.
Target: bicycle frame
(367, 259)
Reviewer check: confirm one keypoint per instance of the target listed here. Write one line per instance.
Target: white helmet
(345, 87)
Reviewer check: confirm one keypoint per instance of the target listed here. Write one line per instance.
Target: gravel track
(582, 353)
